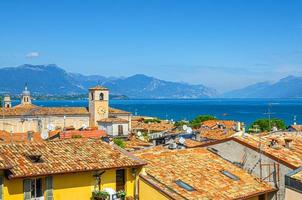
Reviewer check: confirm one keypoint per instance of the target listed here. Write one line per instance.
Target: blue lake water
(245, 110)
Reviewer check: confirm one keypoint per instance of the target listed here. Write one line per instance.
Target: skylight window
(184, 185)
(230, 175)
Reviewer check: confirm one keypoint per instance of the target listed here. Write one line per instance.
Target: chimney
(288, 143)
(30, 136)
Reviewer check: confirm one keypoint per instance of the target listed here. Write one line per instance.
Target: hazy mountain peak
(50, 79)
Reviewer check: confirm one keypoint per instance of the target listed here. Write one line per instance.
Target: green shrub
(119, 142)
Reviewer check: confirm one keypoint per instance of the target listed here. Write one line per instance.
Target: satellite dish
(84, 126)
(184, 127)
(139, 133)
(182, 140)
(189, 130)
(50, 127)
(44, 135)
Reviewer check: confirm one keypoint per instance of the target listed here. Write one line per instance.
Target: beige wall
(291, 194)
(31, 123)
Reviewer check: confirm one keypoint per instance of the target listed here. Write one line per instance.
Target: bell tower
(98, 104)
(7, 101)
(25, 96)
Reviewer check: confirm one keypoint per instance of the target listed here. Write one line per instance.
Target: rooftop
(215, 134)
(229, 124)
(133, 144)
(291, 156)
(198, 174)
(64, 156)
(113, 120)
(33, 110)
(98, 87)
(82, 134)
(6, 137)
(154, 126)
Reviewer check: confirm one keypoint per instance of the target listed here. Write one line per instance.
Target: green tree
(181, 123)
(119, 142)
(266, 125)
(195, 123)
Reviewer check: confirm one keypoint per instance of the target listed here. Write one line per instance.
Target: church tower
(98, 104)
(7, 101)
(25, 96)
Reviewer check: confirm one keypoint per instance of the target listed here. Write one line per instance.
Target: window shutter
(49, 188)
(26, 188)
(1, 187)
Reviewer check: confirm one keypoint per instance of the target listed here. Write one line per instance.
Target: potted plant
(100, 195)
(121, 194)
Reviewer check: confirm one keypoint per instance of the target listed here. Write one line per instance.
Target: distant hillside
(289, 87)
(52, 80)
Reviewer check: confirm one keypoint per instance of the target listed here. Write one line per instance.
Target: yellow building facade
(71, 186)
(70, 169)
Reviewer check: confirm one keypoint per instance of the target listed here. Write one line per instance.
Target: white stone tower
(98, 104)
(7, 101)
(25, 96)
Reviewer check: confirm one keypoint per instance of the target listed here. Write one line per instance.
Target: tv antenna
(269, 113)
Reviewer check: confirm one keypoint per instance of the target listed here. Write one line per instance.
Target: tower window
(101, 96)
(92, 96)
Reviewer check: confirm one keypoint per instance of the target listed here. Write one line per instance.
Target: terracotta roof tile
(153, 127)
(113, 120)
(83, 134)
(292, 155)
(31, 110)
(200, 169)
(64, 156)
(118, 111)
(133, 144)
(6, 137)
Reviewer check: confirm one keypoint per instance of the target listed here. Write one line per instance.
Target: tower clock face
(101, 110)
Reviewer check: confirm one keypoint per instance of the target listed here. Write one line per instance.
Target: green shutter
(1, 187)
(26, 188)
(49, 188)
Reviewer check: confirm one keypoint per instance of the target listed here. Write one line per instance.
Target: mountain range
(288, 87)
(53, 80)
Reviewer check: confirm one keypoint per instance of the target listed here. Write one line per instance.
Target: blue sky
(222, 44)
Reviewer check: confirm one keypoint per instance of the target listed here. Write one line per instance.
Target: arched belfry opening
(101, 96)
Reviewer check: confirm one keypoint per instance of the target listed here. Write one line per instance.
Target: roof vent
(288, 143)
(274, 144)
(35, 158)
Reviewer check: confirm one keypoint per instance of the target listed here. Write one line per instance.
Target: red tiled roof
(83, 134)
(6, 137)
(113, 120)
(65, 156)
(200, 169)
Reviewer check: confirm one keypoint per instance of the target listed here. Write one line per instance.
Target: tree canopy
(261, 125)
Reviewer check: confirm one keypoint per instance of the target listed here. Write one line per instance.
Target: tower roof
(98, 87)
(26, 92)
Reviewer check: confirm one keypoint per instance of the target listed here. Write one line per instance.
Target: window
(230, 175)
(101, 96)
(91, 96)
(120, 130)
(184, 185)
(33, 189)
(120, 179)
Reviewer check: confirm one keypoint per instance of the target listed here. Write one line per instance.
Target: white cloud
(32, 55)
